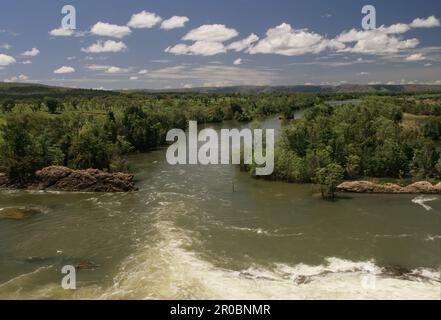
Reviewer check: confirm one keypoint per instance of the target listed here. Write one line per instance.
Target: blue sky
(136, 44)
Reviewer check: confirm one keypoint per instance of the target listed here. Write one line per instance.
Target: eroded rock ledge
(58, 178)
(422, 187)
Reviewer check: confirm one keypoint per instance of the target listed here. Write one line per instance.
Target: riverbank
(58, 178)
(421, 187)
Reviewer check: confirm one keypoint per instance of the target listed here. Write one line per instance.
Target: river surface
(213, 232)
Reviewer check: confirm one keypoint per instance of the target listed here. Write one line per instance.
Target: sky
(193, 43)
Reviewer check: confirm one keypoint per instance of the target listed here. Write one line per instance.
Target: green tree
(329, 177)
(53, 105)
(91, 149)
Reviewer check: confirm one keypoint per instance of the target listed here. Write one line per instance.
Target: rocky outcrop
(58, 178)
(422, 187)
(91, 180)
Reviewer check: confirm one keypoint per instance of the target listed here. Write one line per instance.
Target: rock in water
(422, 187)
(86, 266)
(60, 178)
(17, 213)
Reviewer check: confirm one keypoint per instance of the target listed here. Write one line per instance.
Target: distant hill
(348, 88)
(38, 91)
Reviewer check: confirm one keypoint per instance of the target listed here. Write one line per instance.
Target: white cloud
(378, 41)
(27, 62)
(64, 70)
(428, 65)
(429, 22)
(174, 22)
(143, 71)
(31, 53)
(285, 40)
(5, 46)
(110, 30)
(106, 46)
(6, 60)
(237, 62)
(384, 39)
(416, 57)
(133, 78)
(211, 33)
(363, 73)
(144, 19)
(202, 48)
(243, 44)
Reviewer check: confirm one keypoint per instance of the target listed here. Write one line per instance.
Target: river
(213, 232)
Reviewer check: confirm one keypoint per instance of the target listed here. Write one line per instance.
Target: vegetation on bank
(333, 143)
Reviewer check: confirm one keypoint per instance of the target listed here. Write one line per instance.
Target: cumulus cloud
(385, 39)
(243, 44)
(143, 20)
(285, 40)
(430, 22)
(237, 62)
(27, 62)
(64, 70)
(211, 33)
(110, 30)
(105, 46)
(375, 42)
(174, 22)
(6, 60)
(31, 53)
(143, 71)
(208, 40)
(202, 48)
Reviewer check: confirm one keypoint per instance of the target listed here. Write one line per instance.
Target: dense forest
(386, 135)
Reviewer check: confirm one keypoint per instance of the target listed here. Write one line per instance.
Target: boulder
(19, 213)
(91, 180)
(86, 266)
(395, 271)
(421, 187)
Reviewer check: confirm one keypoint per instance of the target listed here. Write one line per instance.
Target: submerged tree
(329, 177)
